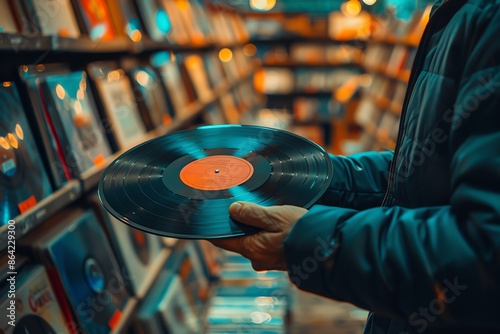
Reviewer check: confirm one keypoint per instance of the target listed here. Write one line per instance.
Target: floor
(314, 314)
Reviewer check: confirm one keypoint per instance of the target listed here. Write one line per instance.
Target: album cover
(171, 76)
(125, 19)
(166, 308)
(120, 107)
(55, 17)
(198, 76)
(230, 68)
(214, 69)
(156, 20)
(97, 19)
(23, 179)
(54, 156)
(189, 21)
(200, 14)
(138, 253)
(82, 266)
(230, 110)
(70, 102)
(178, 32)
(213, 114)
(212, 258)
(150, 95)
(36, 310)
(193, 278)
(242, 62)
(7, 19)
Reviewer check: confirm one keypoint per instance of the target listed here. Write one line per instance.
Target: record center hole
(217, 171)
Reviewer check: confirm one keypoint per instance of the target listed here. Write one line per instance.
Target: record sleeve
(166, 308)
(214, 69)
(97, 19)
(213, 114)
(85, 144)
(171, 77)
(82, 266)
(55, 17)
(156, 20)
(23, 178)
(138, 253)
(55, 157)
(179, 32)
(151, 95)
(36, 309)
(7, 20)
(120, 107)
(198, 76)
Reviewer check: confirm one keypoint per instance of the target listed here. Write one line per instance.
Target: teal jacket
(414, 235)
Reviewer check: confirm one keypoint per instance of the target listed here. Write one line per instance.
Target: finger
(252, 214)
(230, 244)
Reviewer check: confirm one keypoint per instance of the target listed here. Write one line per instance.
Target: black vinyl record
(182, 184)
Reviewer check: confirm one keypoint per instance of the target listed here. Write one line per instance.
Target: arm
(359, 180)
(440, 264)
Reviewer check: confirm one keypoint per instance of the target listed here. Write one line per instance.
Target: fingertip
(234, 208)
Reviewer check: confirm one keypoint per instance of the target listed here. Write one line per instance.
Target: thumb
(251, 214)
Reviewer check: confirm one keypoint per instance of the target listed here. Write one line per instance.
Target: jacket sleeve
(431, 265)
(359, 180)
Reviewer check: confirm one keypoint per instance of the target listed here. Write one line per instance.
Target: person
(414, 235)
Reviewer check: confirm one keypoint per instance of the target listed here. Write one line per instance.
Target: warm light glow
(193, 62)
(19, 132)
(60, 92)
(83, 84)
(25, 68)
(369, 2)
(7, 84)
(114, 75)
(172, 56)
(225, 55)
(40, 67)
(365, 80)
(4, 143)
(13, 140)
(80, 95)
(351, 8)
(183, 4)
(135, 36)
(264, 5)
(142, 78)
(249, 50)
(78, 107)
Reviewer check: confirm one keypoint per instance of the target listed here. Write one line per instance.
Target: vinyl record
(23, 179)
(181, 185)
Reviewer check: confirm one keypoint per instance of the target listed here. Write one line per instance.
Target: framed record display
(7, 19)
(23, 179)
(97, 19)
(55, 17)
(121, 109)
(70, 99)
(36, 308)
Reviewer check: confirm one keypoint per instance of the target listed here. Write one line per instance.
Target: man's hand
(264, 248)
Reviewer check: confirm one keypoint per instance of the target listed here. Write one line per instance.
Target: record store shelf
(35, 43)
(91, 177)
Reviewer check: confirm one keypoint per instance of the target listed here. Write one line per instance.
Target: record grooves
(182, 184)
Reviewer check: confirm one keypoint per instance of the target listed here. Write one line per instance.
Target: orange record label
(27, 204)
(217, 172)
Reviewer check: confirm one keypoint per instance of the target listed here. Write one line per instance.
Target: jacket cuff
(310, 248)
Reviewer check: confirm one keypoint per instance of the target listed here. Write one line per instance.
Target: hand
(264, 248)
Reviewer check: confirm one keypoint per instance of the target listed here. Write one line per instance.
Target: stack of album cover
(67, 116)
(87, 281)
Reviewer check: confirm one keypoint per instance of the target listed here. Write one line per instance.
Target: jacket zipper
(415, 72)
